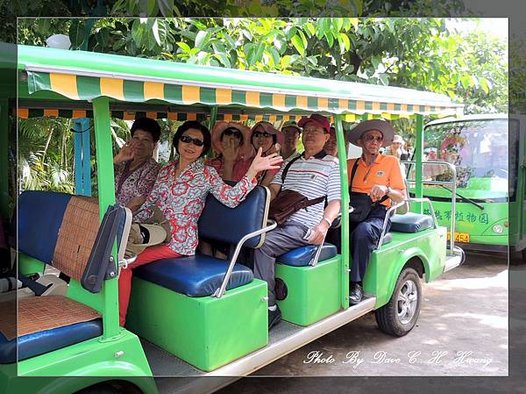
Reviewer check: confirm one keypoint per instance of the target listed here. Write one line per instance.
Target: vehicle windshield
(479, 151)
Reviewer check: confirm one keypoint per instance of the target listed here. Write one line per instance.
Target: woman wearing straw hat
(232, 143)
(180, 193)
(265, 136)
(379, 177)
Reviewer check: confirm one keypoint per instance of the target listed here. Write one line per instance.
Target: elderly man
(291, 134)
(313, 174)
(379, 177)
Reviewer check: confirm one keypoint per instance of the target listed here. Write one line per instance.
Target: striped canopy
(79, 75)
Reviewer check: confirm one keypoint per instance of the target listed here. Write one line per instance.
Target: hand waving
(126, 153)
(269, 162)
(230, 149)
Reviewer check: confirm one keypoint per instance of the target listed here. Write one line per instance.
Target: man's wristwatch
(388, 191)
(328, 221)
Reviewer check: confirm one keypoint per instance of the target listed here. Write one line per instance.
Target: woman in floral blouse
(180, 193)
(135, 168)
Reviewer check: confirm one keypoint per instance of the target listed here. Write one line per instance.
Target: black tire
(400, 314)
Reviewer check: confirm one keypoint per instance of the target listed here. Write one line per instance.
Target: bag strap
(353, 173)
(286, 169)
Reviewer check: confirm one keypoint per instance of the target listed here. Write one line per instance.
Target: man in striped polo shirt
(313, 174)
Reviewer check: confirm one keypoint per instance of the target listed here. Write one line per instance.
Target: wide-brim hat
(269, 128)
(382, 126)
(291, 124)
(135, 245)
(246, 150)
(321, 120)
(398, 139)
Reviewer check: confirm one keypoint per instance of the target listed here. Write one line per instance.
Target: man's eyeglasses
(234, 133)
(313, 131)
(262, 134)
(187, 140)
(370, 138)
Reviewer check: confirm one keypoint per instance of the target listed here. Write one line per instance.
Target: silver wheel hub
(407, 301)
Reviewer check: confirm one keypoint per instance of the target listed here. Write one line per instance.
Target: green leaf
(275, 55)
(167, 7)
(202, 39)
(344, 39)
(184, 46)
(310, 29)
(77, 33)
(223, 58)
(465, 80)
(298, 44)
(329, 38)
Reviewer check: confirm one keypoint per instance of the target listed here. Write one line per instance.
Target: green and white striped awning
(85, 76)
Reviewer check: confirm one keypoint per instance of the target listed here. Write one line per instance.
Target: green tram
(223, 332)
(489, 183)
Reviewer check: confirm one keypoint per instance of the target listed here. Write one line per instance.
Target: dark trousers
(364, 237)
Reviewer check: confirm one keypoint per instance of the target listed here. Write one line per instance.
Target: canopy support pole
(344, 228)
(82, 156)
(106, 191)
(419, 153)
(4, 159)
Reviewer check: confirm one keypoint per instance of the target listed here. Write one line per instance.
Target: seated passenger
(331, 147)
(180, 192)
(135, 168)
(291, 134)
(265, 136)
(378, 176)
(313, 174)
(231, 142)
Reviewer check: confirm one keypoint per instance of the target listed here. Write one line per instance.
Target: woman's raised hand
(126, 153)
(260, 163)
(230, 149)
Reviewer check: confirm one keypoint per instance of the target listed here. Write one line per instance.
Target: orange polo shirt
(384, 171)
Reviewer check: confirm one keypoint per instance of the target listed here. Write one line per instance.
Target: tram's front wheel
(400, 314)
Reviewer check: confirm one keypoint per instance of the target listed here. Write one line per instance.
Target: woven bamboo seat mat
(76, 236)
(37, 314)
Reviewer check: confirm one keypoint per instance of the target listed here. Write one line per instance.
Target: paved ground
(462, 331)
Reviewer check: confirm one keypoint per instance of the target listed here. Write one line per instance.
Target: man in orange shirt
(378, 176)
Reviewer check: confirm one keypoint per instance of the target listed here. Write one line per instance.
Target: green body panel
(387, 263)
(94, 357)
(313, 293)
(28, 265)
(206, 332)
(90, 362)
(476, 222)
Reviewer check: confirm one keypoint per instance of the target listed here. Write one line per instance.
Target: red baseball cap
(321, 120)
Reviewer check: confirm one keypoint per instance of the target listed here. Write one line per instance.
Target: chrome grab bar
(219, 292)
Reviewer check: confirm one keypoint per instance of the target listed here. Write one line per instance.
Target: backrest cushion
(411, 222)
(221, 223)
(39, 218)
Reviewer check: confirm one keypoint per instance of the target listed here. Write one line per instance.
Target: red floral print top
(138, 182)
(182, 200)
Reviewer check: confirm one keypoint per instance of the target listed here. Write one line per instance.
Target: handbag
(288, 202)
(361, 202)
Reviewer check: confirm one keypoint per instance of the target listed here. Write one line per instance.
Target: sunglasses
(187, 140)
(369, 138)
(233, 133)
(262, 134)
